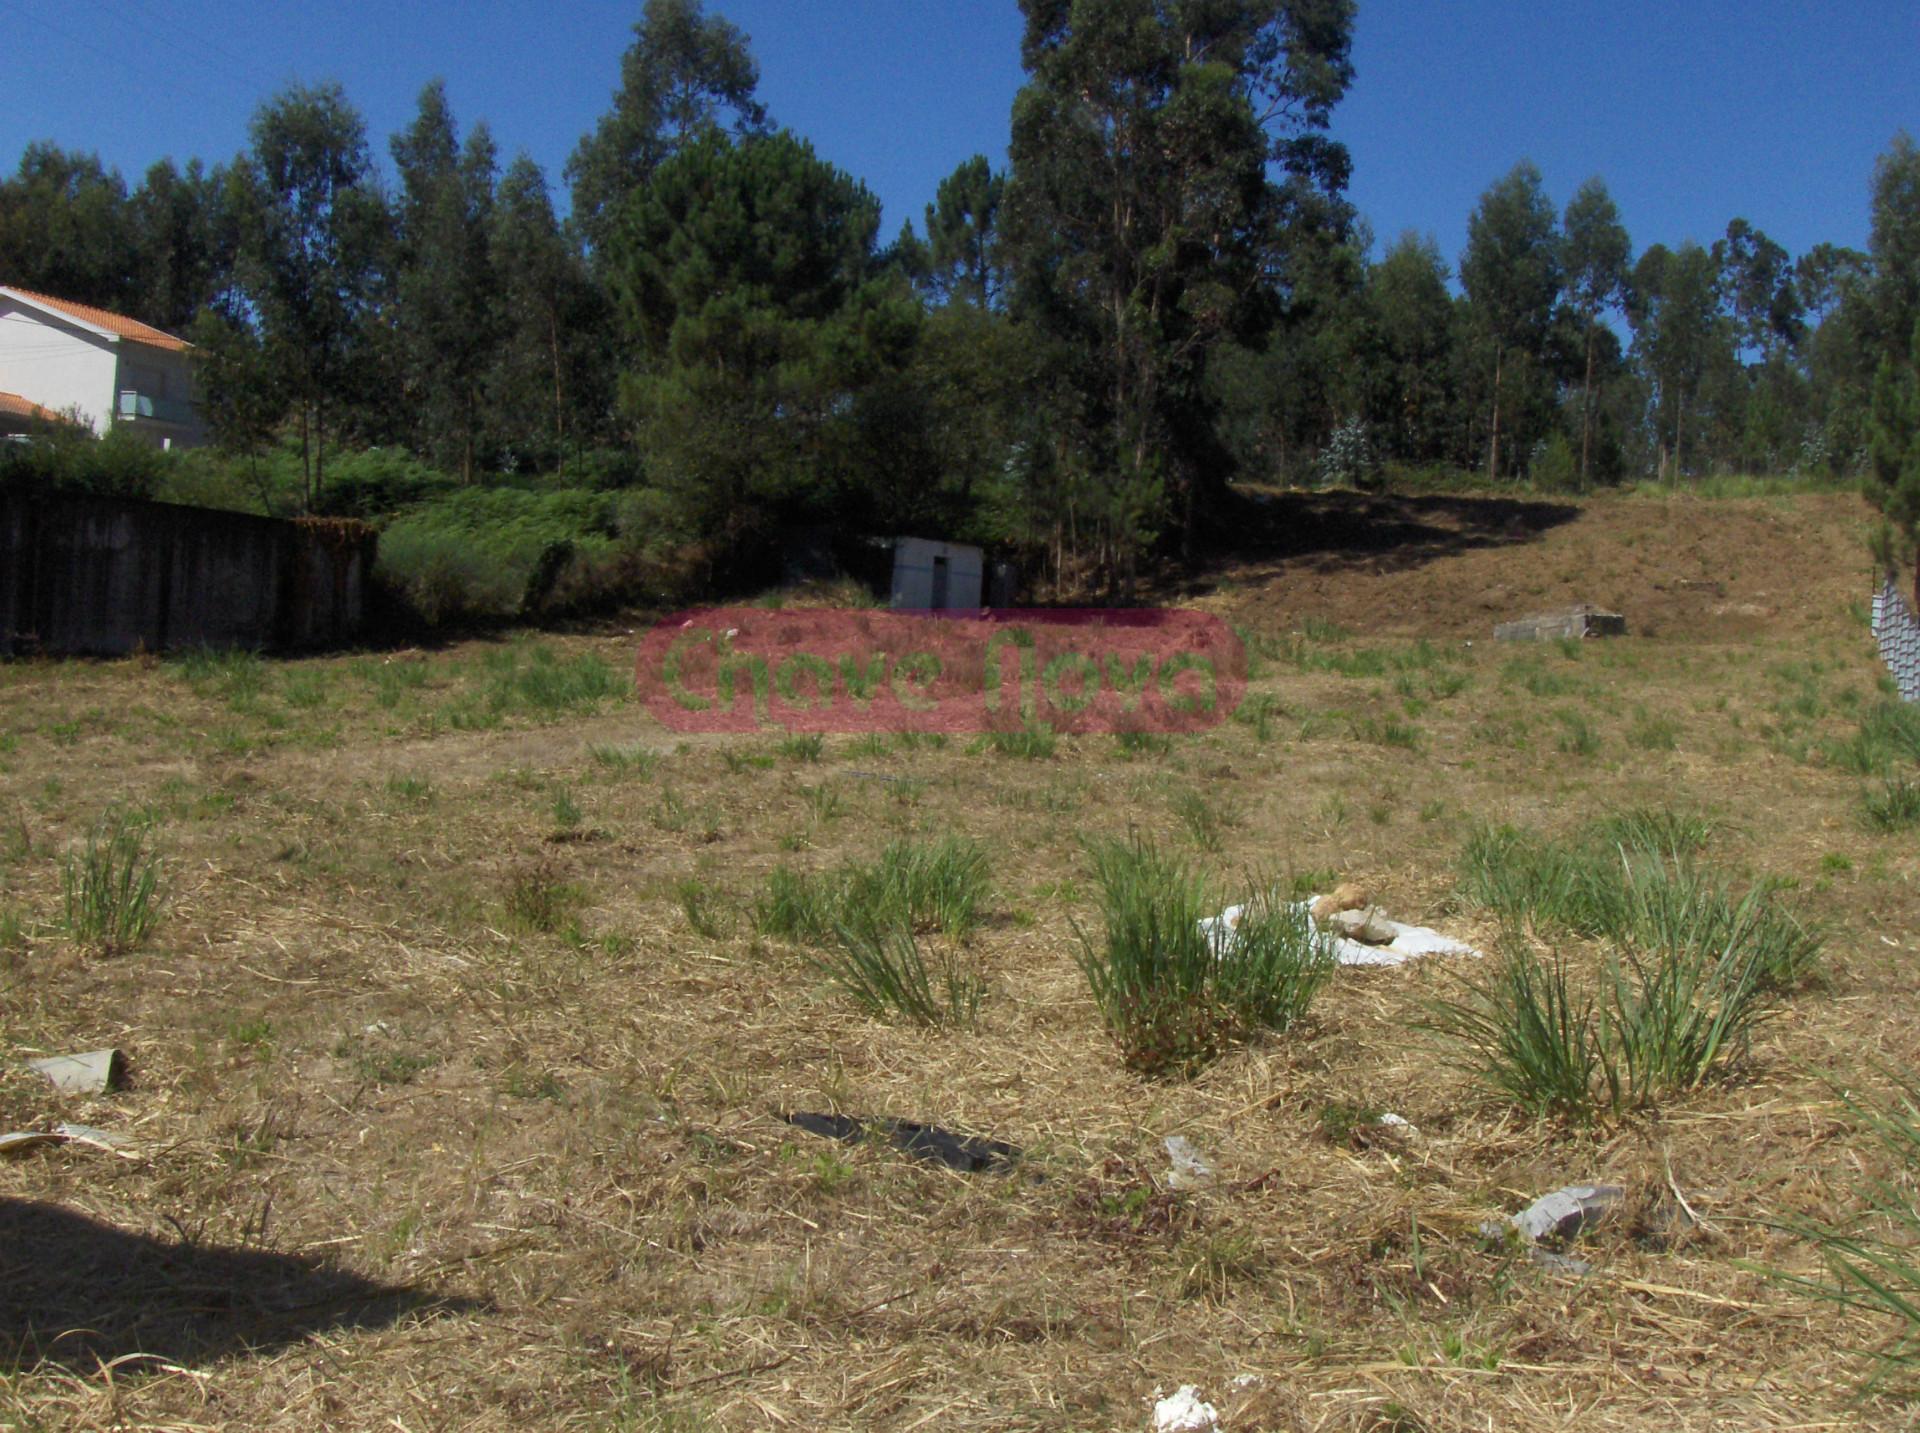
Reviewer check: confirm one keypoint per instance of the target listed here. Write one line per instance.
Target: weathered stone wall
(107, 576)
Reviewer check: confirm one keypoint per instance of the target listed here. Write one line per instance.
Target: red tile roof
(12, 405)
(127, 328)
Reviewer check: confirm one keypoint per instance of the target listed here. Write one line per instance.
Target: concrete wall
(55, 365)
(914, 561)
(108, 576)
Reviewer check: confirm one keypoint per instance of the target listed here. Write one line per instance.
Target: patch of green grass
(824, 803)
(393, 680)
(1172, 995)
(533, 679)
(414, 790)
(807, 748)
(1258, 712)
(1655, 1025)
(1873, 1262)
(305, 688)
(626, 760)
(111, 887)
(1653, 733)
(705, 907)
(1664, 831)
(1144, 743)
(13, 930)
(567, 814)
(537, 900)
(1207, 822)
(1889, 736)
(1894, 807)
(739, 762)
(887, 972)
(1029, 744)
(233, 675)
(920, 886)
(1578, 736)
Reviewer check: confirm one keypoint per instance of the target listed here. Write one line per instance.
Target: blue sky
(1693, 111)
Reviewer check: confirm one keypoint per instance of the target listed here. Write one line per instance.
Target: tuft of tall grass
(1655, 1024)
(1894, 807)
(111, 887)
(1889, 734)
(704, 907)
(886, 971)
(1036, 743)
(537, 899)
(807, 748)
(921, 886)
(1874, 1262)
(626, 760)
(1172, 997)
(1207, 822)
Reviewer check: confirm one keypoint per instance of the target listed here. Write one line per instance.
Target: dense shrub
(64, 459)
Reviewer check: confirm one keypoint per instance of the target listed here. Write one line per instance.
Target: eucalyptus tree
(1597, 255)
(1511, 272)
(684, 72)
(1145, 231)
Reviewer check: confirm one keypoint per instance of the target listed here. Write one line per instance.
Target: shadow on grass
(77, 1293)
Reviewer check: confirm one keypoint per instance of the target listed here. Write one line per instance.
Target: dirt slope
(1454, 566)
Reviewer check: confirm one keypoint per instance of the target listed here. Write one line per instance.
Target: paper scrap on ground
(94, 1073)
(1190, 1169)
(1410, 942)
(24, 1140)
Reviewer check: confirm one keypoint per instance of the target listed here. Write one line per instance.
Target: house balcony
(143, 407)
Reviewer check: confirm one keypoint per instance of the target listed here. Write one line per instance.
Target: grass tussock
(1889, 737)
(111, 887)
(888, 971)
(1873, 1262)
(1894, 807)
(1631, 880)
(1172, 996)
(918, 886)
(1653, 1025)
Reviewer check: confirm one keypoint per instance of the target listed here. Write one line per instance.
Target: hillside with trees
(1167, 293)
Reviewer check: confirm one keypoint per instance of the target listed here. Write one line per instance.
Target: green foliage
(1630, 880)
(1037, 743)
(111, 887)
(886, 971)
(538, 900)
(63, 458)
(747, 283)
(1349, 459)
(1889, 735)
(1660, 1023)
(1894, 807)
(1173, 996)
(919, 886)
(705, 907)
(496, 552)
(1874, 1260)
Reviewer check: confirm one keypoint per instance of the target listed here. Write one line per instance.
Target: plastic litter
(1408, 942)
(94, 1073)
(1190, 1169)
(23, 1140)
(1184, 1412)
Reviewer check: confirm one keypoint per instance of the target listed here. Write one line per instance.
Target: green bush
(1894, 807)
(493, 552)
(62, 458)
(1175, 996)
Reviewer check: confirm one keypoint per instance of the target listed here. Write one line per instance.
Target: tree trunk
(1493, 444)
(306, 459)
(559, 404)
(1586, 411)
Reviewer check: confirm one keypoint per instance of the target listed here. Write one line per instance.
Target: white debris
(1245, 1381)
(1410, 942)
(1399, 1124)
(1559, 1215)
(1184, 1412)
(1190, 1168)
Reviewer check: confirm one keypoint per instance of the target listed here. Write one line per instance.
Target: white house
(109, 370)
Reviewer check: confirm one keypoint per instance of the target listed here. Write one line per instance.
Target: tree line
(1165, 291)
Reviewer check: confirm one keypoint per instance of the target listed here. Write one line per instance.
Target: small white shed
(936, 576)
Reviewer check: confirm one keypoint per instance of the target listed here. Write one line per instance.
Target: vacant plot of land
(460, 1048)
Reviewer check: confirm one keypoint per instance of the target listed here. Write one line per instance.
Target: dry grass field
(459, 1049)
